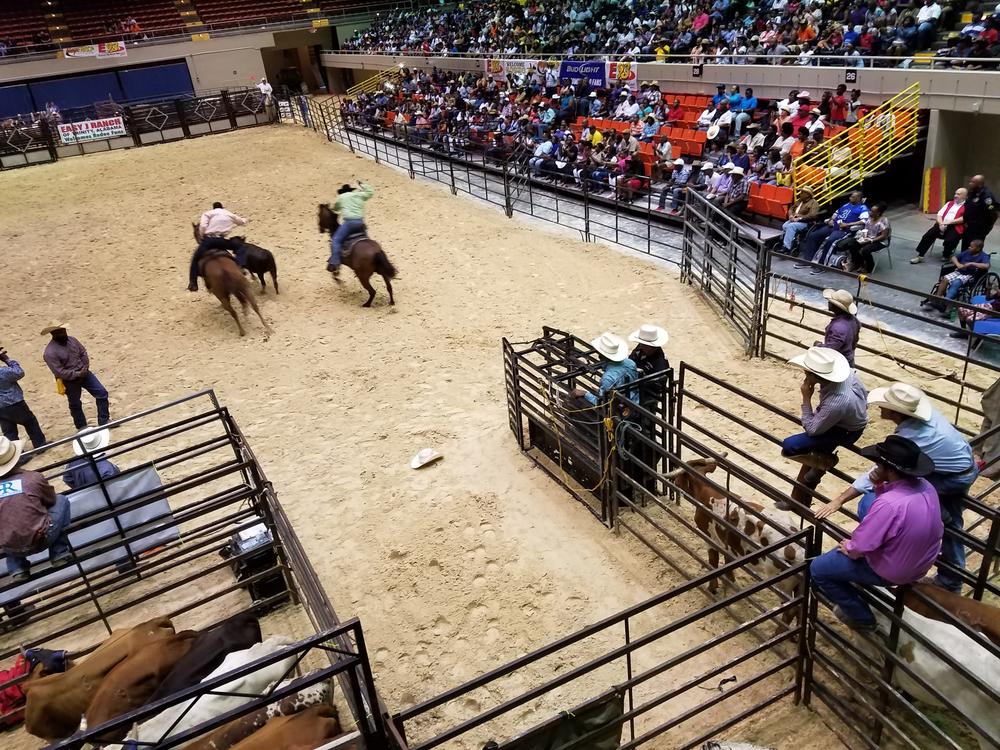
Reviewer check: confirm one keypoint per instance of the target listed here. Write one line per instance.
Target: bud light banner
(593, 71)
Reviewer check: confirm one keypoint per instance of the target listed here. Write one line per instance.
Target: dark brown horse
(366, 257)
(224, 279)
(259, 260)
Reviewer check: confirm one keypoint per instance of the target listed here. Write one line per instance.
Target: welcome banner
(91, 130)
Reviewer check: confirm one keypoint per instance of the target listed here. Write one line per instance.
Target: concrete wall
(966, 91)
(964, 144)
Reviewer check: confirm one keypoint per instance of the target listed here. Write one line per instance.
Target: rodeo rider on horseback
(214, 226)
(350, 205)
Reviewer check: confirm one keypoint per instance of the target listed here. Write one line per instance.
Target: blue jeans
(802, 443)
(75, 388)
(55, 541)
(738, 121)
(835, 574)
(213, 243)
(347, 227)
(954, 286)
(791, 228)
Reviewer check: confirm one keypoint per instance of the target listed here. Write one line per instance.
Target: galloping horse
(224, 278)
(259, 260)
(365, 258)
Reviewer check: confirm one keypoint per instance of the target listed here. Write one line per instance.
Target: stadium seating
(87, 19)
(228, 11)
(20, 20)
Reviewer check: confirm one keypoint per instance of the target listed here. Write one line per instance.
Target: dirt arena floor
(454, 569)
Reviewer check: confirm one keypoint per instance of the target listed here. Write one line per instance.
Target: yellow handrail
(844, 160)
(369, 85)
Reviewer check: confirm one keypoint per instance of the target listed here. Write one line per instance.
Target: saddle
(352, 239)
(210, 255)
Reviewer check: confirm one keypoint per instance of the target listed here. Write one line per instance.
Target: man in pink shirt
(897, 540)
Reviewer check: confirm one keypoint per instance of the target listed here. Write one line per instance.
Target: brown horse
(224, 278)
(366, 257)
(259, 261)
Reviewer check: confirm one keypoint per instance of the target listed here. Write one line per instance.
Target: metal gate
(726, 259)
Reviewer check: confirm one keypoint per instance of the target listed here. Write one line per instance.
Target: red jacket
(959, 228)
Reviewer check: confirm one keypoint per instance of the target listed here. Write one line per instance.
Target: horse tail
(234, 283)
(383, 267)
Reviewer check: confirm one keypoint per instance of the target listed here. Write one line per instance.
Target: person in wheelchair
(965, 268)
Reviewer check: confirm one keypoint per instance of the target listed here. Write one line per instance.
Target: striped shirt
(843, 405)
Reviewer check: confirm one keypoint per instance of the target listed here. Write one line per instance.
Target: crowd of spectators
(613, 140)
(790, 32)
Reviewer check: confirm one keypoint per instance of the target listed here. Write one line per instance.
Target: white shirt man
(705, 118)
(219, 222)
(953, 209)
(927, 13)
(265, 89)
(664, 151)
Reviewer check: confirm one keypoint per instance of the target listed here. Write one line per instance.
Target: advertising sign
(91, 130)
(592, 71)
(623, 73)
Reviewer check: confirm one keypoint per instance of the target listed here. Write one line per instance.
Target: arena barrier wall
(232, 550)
(145, 122)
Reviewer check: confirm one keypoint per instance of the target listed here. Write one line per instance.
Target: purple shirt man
(900, 537)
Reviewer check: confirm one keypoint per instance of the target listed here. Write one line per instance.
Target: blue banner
(591, 70)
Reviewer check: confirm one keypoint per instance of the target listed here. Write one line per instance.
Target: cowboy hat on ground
(824, 363)
(904, 399)
(900, 454)
(839, 297)
(10, 454)
(650, 335)
(610, 346)
(424, 457)
(90, 441)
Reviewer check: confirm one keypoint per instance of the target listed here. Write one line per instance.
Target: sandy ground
(457, 568)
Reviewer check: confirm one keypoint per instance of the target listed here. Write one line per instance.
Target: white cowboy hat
(10, 453)
(707, 166)
(737, 170)
(803, 95)
(825, 363)
(713, 133)
(424, 457)
(91, 441)
(650, 335)
(902, 398)
(592, 94)
(678, 162)
(611, 347)
(839, 297)
(815, 111)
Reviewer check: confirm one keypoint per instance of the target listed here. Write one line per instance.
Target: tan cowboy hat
(611, 347)
(839, 297)
(91, 441)
(824, 363)
(713, 133)
(803, 95)
(650, 335)
(815, 111)
(707, 166)
(904, 399)
(737, 170)
(10, 453)
(424, 457)
(54, 327)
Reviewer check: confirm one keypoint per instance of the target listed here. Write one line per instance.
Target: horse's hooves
(367, 304)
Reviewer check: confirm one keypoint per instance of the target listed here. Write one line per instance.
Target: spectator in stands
(664, 158)
(980, 211)
(854, 107)
(543, 153)
(214, 225)
(847, 219)
(33, 517)
(955, 468)
(838, 106)
(897, 540)
(927, 19)
(969, 264)
(14, 409)
(735, 199)
(68, 361)
(839, 418)
(89, 444)
(787, 139)
(815, 122)
(948, 225)
(801, 216)
(861, 246)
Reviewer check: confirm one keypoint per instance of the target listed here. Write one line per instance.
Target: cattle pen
(191, 530)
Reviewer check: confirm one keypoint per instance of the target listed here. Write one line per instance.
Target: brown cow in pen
(310, 728)
(130, 684)
(56, 702)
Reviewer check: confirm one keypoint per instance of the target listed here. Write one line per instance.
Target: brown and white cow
(310, 728)
(130, 684)
(977, 615)
(239, 729)
(709, 507)
(56, 702)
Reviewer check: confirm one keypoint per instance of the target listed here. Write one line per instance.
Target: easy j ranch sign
(91, 130)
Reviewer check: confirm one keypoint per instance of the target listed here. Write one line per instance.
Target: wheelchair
(982, 282)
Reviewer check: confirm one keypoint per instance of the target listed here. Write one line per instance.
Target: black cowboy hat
(901, 454)
(345, 189)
